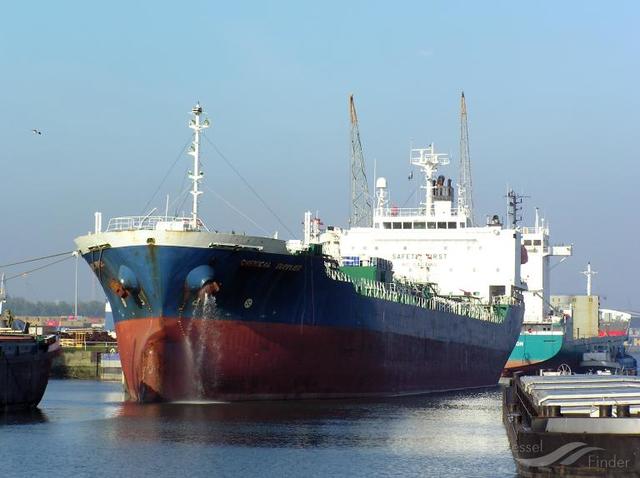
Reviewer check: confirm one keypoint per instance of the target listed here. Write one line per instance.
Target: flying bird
(36, 131)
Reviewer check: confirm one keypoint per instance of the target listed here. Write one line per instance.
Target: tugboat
(25, 361)
(573, 425)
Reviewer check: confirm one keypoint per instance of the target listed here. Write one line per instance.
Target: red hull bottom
(534, 368)
(524, 366)
(166, 359)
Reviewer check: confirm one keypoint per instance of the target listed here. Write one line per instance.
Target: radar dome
(381, 183)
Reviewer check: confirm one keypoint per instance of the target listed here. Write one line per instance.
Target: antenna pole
(3, 295)
(75, 297)
(514, 206)
(589, 273)
(196, 175)
(428, 160)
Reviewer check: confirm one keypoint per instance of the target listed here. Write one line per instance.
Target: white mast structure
(3, 296)
(196, 175)
(589, 273)
(428, 160)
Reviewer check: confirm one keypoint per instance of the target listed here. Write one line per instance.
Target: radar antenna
(361, 209)
(465, 187)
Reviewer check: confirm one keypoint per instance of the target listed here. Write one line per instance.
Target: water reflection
(448, 435)
(443, 424)
(23, 417)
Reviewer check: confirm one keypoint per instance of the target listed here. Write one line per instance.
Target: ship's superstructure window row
(420, 225)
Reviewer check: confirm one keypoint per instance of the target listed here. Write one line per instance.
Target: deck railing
(405, 294)
(151, 223)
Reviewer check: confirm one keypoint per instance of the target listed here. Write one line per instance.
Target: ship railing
(533, 230)
(153, 223)
(408, 211)
(406, 294)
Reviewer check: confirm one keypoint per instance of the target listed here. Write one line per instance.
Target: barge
(574, 425)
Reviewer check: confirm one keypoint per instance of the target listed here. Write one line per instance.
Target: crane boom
(361, 214)
(465, 186)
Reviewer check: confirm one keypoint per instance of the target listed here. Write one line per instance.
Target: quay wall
(77, 363)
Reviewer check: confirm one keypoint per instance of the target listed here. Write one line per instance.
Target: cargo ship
(25, 361)
(201, 314)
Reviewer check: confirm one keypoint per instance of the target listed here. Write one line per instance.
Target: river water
(83, 428)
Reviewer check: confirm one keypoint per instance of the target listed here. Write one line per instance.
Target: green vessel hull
(532, 349)
(550, 350)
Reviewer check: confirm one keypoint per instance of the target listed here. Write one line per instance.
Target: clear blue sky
(551, 90)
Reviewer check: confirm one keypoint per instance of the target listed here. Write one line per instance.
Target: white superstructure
(535, 271)
(434, 242)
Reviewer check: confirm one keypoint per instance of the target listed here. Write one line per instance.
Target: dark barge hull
(541, 454)
(23, 375)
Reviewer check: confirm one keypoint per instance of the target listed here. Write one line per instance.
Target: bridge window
(397, 225)
(462, 225)
(442, 225)
(418, 225)
(527, 242)
(407, 225)
(431, 225)
(451, 225)
(386, 225)
(537, 242)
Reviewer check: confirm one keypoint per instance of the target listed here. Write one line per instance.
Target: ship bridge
(436, 241)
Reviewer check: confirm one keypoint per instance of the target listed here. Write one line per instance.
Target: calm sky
(551, 90)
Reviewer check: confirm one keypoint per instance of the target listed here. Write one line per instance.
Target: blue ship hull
(235, 323)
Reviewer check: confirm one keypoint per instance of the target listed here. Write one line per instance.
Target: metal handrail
(405, 294)
(150, 223)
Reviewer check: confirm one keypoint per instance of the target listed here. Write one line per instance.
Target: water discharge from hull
(202, 346)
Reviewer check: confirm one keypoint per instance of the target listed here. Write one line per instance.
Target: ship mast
(3, 296)
(196, 175)
(514, 207)
(589, 273)
(428, 160)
